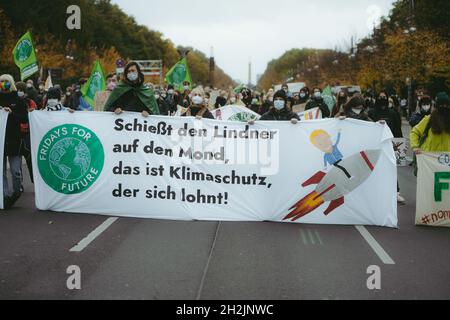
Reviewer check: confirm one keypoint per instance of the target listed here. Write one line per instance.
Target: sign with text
(433, 190)
(321, 172)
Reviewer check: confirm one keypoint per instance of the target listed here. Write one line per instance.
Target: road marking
(305, 242)
(318, 237)
(202, 282)
(93, 235)
(311, 237)
(375, 245)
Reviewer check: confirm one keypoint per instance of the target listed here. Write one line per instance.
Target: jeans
(15, 165)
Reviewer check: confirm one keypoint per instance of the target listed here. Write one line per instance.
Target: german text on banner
(323, 172)
(433, 190)
(3, 120)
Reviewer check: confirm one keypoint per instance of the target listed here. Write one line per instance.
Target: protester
(31, 91)
(432, 134)
(304, 95)
(246, 97)
(132, 94)
(317, 102)
(163, 106)
(54, 101)
(14, 144)
(424, 110)
(77, 101)
(338, 109)
(355, 109)
(280, 110)
(198, 108)
(172, 99)
(382, 112)
(102, 96)
(221, 100)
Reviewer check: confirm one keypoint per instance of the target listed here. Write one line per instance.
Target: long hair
(440, 120)
(140, 80)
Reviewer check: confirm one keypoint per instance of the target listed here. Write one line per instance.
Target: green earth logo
(242, 117)
(70, 159)
(179, 74)
(24, 50)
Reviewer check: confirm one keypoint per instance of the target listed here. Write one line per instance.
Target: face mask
(357, 111)
(29, 85)
(5, 86)
(255, 101)
(68, 94)
(41, 88)
(164, 95)
(302, 95)
(317, 94)
(133, 76)
(278, 104)
(186, 87)
(197, 100)
(286, 90)
(426, 108)
(157, 96)
(112, 85)
(52, 102)
(21, 94)
(170, 92)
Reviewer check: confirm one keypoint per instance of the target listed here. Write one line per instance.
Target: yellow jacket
(434, 142)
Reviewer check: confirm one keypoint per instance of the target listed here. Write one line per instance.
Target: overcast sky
(258, 29)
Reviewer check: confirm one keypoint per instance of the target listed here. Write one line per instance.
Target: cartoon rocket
(341, 180)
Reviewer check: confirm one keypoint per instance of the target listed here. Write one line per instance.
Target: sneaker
(400, 199)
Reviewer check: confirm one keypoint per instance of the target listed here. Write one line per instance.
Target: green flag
(96, 83)
(239, 88)
(328, 98)
(179, 74)
(25, 56)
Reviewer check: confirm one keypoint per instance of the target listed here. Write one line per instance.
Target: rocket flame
(308, 204)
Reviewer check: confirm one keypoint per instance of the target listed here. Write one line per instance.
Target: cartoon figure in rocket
(345, 176)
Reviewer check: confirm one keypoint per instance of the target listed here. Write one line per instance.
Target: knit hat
(280, 94)
(54, 93)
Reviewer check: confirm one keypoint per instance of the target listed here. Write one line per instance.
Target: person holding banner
(198, 107)
(132, 94)
(280, 110)
(317, 101)
(432, 134)
(355, 109)
(18, 117)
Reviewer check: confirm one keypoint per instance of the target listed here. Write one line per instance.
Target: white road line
(311, 237)
(305, 242)
(93, 235)
(318, 237)
(375, 245)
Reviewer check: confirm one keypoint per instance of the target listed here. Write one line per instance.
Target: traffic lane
(157, 260)
(34, 248)
(283, 261)
(422, 253)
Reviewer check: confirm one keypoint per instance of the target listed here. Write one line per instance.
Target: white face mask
(157, 96)
(197, 100)
(302, 95)
(133, 76)
(317, 94)
(170, 92)
(52, 102)
(426, 108)
(29, 85)
(357, 111)
(278, 104)
(186, 87)
(21, 94)
(41, 87)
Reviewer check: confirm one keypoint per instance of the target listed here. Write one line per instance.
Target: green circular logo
(70, 159)
(242, 117)
(24, 50)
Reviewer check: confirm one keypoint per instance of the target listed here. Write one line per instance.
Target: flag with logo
(25, 57)
(96, 83)
(433, 190)
(179, 74)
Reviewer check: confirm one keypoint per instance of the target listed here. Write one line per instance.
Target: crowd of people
(430, 118)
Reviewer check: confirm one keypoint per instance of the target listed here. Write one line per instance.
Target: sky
(257, 30)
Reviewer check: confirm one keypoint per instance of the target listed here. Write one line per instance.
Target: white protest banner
(322, 172)
(3, 121)
(401, 147)
(433, 190)
(235, 113)
(312, 114)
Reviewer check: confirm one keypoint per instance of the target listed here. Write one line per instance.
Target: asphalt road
(153, 259)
